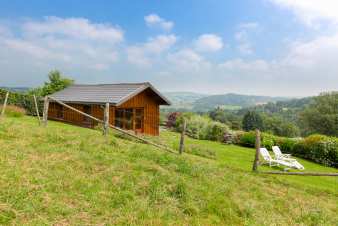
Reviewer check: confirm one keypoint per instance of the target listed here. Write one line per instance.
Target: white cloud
(241, 65)
(78, 28)
(187, 60)
(143, 55)
(209, 43)
(242, 36)
(64, 42)
(154, 20)
(319, 52)
(312, 12)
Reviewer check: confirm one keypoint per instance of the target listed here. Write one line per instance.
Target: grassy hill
(66, 175)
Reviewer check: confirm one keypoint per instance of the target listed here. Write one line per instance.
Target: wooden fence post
(106, 120)
(181, 148)
(258, 146)
(5, 104)
(37, 109)
(45, 110)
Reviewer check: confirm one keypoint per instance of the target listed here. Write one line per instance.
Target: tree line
(294, 118)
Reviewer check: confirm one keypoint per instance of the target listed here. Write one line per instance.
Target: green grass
(68, 175)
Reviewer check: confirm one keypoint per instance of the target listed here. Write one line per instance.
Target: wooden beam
(300, 173)
(115, 128)
(106, 120)
(37, 109)
(258, 146)
(182, 136)
(45, 110)
(4, 105)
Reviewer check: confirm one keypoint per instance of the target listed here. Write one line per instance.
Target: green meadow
(67, 175)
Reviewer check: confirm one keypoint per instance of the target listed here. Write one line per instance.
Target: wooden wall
(151, 111)
(143, 100)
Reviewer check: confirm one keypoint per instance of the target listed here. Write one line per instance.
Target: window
(129, 118)
(119, 118)
(88, 110)
(59, 111)
(139, 118)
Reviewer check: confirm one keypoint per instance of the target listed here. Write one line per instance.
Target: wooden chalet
(133, 106)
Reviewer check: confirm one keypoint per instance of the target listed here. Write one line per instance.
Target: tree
(56, 83)
(251, 121)
(279, 126)
(321, 116)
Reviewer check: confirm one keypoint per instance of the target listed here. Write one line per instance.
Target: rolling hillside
(202, 102)
(182, 100)
(66, 175)
(232, 101)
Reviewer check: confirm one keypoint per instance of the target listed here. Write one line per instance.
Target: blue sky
(267, 47)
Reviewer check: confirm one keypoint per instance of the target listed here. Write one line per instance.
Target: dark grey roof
(105, 93)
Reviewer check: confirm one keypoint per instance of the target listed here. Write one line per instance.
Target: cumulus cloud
(79, 28)
(187, 60)
(64, 41)
(312, 12)
(143, 55)
(209, 43)
(154, 20)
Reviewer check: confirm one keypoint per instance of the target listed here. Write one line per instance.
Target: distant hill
(16, 89)
(232, 101)
(182, 100)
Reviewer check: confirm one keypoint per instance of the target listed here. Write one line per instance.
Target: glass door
(129, 119)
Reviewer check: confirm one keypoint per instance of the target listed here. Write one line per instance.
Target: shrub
(286, 144)
(171, 119)
(268, 140)
(216, 131)
(319, 148)
(247, 139)
(14, 111)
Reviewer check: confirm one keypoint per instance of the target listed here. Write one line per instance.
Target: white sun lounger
(275, 162)
(286, 157)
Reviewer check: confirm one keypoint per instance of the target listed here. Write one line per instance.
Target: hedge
(318, 148)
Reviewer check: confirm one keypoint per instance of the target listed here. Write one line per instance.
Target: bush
(318, 148)
(268, 140)
(216, 131)
(201, 127)
(247, 139)
(21, 100)
(286, 144)
(171, 119)
(14, 111)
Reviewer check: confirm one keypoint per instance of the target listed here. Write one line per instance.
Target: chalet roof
(115, 94)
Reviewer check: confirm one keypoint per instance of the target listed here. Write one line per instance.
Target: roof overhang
(164, 100)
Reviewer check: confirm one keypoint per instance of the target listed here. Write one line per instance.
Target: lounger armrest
(287, 155)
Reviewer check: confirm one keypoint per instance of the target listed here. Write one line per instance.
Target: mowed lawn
(66, 175)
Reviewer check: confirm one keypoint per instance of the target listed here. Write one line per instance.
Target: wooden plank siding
(143, 100)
